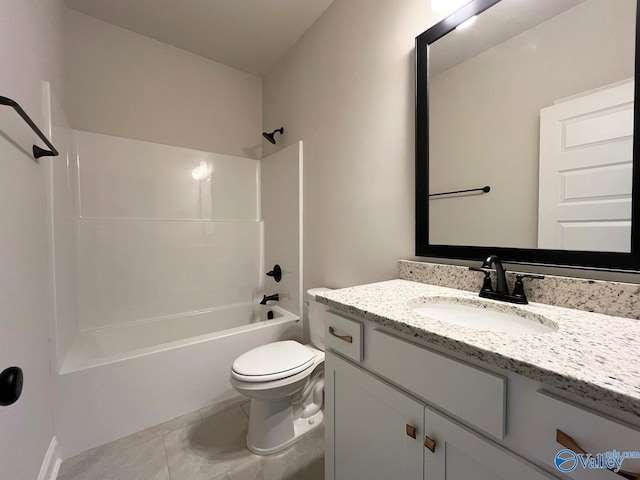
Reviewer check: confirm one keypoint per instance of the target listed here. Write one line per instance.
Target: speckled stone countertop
(611, 298)
(592, 355)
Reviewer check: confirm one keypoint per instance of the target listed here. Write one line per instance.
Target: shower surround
(159, 260)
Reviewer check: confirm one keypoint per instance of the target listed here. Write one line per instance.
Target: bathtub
(121, 379)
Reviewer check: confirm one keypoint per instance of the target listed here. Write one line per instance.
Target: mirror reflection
(535, 100)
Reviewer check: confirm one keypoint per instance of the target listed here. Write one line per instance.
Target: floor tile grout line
(225, 409)
(166, 458)
(143, 440)
(311, 436)
(254, 458)
(238, 469)
(200, 418)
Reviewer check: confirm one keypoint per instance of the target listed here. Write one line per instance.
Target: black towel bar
(485, 189)
(37, 151)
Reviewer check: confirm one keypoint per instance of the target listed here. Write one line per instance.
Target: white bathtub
(116, 343)
(118, 380)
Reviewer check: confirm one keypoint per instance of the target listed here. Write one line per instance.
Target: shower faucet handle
(276, 273)
(11, 381)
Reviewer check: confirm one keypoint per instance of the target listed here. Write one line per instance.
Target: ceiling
(494, 26)
(250, 35)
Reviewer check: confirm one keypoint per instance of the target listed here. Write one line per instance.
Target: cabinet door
(370, 426)
(461, 454)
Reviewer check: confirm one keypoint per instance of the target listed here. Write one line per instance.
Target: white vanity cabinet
(460, 454)
(377, 432)
(397, 409)
(370, 425)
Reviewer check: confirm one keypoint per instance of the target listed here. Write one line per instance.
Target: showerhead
(271, 136)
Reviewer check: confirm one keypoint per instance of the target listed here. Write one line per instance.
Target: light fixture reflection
(447, 6)
(467, 23)
(202, 171)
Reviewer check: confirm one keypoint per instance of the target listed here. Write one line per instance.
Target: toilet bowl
(285, 381)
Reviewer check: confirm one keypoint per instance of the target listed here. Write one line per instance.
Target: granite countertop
(592, 355)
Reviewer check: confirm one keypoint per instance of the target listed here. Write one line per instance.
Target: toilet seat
(273, 361)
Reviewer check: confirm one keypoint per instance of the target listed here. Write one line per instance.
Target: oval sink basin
(485, 316)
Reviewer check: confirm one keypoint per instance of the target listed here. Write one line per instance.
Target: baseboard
(51, 462)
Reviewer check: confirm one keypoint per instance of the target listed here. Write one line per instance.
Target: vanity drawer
(592, 432)
(475, 396)
(344, 335)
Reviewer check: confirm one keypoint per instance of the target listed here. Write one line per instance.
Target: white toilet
(285, 381)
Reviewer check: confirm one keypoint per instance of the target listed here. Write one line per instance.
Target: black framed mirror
(535, 100)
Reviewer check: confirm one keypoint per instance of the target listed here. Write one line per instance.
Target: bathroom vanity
(415, 390)
(411, 397)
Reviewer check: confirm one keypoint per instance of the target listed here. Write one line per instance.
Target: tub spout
(267, 298)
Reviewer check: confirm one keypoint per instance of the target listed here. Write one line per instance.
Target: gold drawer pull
(346, 338)
(430, 443)
(567, 442)
(411, 431)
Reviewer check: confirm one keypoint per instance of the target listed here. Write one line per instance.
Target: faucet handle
(478, 269)
(535, 277)
(518, 289)
(486, 284)
(276, 273)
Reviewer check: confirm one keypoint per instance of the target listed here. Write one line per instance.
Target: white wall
(155, 241)
(30, 51)
(280, 190)
(346, 88)
(124, 84)
(485, 116)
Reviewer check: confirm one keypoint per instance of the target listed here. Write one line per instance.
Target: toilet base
(285, 410)
(269, 439)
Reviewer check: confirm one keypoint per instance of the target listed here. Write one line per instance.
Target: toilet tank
(316, 317)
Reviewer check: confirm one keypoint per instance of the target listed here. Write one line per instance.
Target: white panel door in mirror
(586, 155)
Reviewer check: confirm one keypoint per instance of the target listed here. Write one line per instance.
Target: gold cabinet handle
(411, 431)
(430, 443)
(567, 442)
(346, 338)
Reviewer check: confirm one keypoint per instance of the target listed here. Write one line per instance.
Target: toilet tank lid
(312, 292)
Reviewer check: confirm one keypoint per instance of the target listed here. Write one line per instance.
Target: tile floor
(208, 444)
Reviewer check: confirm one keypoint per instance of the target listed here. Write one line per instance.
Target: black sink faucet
(266, 298)
(501, 291)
